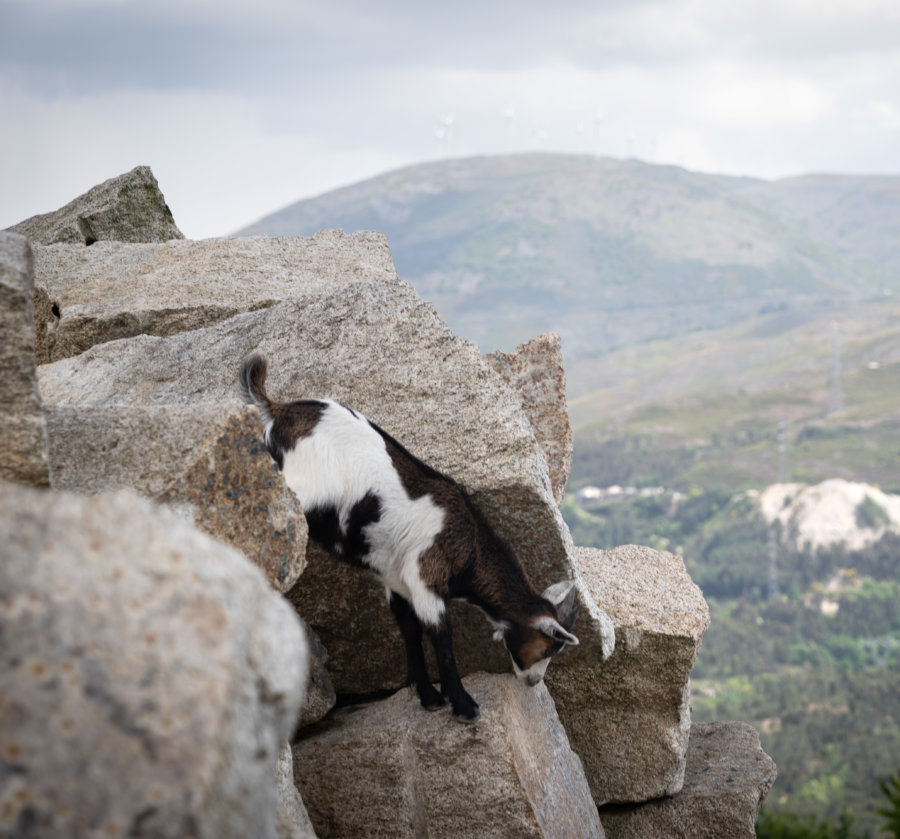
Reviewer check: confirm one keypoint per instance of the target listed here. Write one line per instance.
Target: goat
(371, 503)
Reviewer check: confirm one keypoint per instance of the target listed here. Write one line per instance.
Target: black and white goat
(371, 503)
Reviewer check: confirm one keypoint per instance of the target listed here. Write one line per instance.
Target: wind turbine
(443, 133)
(598, 118)
(509, 114)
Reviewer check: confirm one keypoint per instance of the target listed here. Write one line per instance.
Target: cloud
(241, 107)
(217, 164)
(741, 95)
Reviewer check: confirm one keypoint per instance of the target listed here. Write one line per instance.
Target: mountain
(612, 253)
(859, 215)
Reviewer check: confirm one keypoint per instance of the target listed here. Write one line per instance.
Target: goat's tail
(252, 385)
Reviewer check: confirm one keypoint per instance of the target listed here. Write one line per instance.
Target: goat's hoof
(467, 714)
(433, 701)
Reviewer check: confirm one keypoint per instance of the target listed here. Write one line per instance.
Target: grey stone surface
(392, 769)
(23, 436)
(727, 778)
(535, 370)
(293, 820)
(150, 674)
(113, 290)
(628, 718)
(377, 347)
(320, 694)
(206, 461)
(127, 208)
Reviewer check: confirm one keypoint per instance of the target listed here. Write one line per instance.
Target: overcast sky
(243, 107)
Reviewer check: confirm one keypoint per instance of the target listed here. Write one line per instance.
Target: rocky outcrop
(128, 208)
(23, 434)
(149, 339)
(535, 370)
(727, 778)
(419, 774)
(379, 348)
(629, 717)
(150, 673)
(114, 290)
(207, 461)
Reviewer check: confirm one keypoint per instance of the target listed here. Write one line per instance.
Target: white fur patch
(533, 674)
(336, 465)
(558, 591)
(552, 629)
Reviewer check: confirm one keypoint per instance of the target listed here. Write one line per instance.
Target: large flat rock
(727, 778)
(23, 435)
(206, 461)
(628, 717)
(391, 769)
(150, 674)
(127, 208)
(114, 290)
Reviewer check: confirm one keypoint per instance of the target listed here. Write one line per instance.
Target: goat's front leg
(464, 707)
(416, 669)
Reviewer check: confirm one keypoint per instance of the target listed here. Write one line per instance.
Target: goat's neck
(505, 598)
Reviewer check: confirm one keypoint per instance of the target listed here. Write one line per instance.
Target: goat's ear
(558, 592)
(553, 629)
(562, 595)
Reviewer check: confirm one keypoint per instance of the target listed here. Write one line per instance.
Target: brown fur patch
(534, 648)
(295, 421)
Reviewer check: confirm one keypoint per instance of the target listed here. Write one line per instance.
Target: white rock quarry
(826, 513)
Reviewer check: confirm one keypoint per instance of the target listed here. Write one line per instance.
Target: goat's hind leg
(416, 669)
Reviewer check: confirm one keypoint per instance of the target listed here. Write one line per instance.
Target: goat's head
(532, 643)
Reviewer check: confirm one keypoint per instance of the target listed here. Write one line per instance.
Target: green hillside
(608, 253)
(704, 410)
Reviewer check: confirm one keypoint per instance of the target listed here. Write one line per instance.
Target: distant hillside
(613, 253)
(858, 215)
(704, 410)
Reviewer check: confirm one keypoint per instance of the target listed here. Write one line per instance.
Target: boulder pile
(155, 556)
